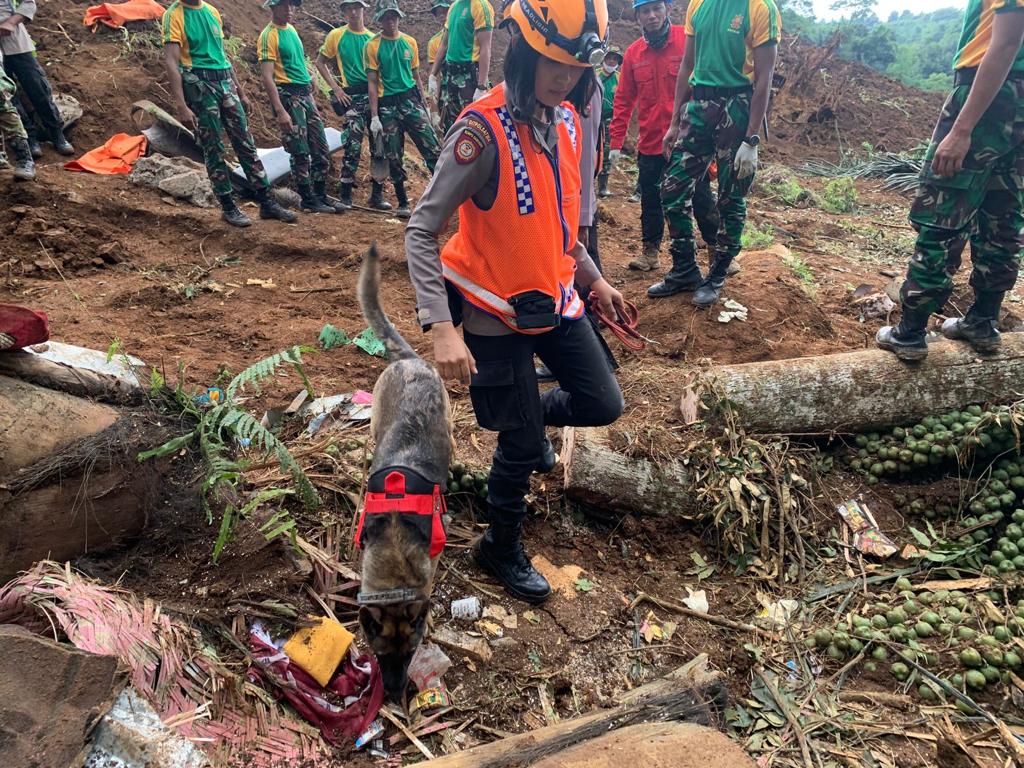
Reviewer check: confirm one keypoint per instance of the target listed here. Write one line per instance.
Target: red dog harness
(395, 499)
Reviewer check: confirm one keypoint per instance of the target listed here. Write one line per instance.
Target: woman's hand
(451, 355)
(610, 300)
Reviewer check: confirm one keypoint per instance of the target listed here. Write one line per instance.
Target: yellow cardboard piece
(319, 649)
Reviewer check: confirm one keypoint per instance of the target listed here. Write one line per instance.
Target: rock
(51, 696)
(461, 643)
(189, 185)
(179, 177)
(68, 108)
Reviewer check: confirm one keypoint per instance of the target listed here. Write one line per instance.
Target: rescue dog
(412, 431)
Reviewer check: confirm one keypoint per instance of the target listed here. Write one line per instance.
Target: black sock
(227, 202)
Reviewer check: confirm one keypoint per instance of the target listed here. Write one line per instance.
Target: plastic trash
(468, 608)
(428, 666)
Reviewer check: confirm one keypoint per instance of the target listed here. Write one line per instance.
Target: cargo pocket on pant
(495, 397)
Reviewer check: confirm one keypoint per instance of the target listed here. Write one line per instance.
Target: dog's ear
(370, 620)
(416, 610)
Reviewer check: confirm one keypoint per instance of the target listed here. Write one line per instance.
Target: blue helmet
(638, 3)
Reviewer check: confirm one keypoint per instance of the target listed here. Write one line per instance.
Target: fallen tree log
(110, 382)
(691, 694)
(599, 476)
(69, 480)
(855, 391)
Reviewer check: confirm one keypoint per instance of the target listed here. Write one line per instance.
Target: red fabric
(21, 327)
(116, 15)
(345, 707)
(395, 499)
(648, 82)
(118, 155)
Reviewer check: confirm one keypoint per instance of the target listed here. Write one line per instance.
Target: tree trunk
(79, 381)
(608, 480)
(691, 694)
(857, 391)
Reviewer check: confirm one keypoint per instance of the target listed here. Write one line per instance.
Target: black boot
(549, 458)
(271, 209)
(684, 275)
(978, 326)
(345, 194)
(21, 159)
(33, 145)
(403, 211)
(61, 144)
(320, 190)
(377, 200)
(711, 289)
(500, 552)
(907, 340)
(602, 186)
(232, 214)
(312, 203)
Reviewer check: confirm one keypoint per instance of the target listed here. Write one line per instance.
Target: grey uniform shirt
(454, 182)
(20, 41)
(591, 130)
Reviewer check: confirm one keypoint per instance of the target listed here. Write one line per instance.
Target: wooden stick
(801, 737)
(690, 613)
(408, 734)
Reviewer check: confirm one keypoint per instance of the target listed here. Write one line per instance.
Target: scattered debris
(866, 536)
(733, 311)
(369, 343)
(504, 617)
(319, 649)
(332, 338)
(562, 579)
(466, 608)
(697, 601)
(428, 666)
(459, 642)
(267, 285)
(872, 306)
(779, 613)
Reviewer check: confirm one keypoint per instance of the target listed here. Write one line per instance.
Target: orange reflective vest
(522, 242)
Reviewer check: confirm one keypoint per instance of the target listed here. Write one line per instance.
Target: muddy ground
(115, 265)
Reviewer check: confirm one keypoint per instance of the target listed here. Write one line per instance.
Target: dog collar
(395, 499)
(388, 597)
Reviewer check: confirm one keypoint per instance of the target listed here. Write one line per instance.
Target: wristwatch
(485, 86)
(752, 140)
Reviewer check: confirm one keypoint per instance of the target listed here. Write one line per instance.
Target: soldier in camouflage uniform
(12, 130)
(209, 102)
(396, 104)
(972, 187)
(465, 54)
(346, 45)
(288, 84)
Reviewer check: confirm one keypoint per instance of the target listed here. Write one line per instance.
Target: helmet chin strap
(587, 48)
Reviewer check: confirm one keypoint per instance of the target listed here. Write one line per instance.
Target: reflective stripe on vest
(570, 310)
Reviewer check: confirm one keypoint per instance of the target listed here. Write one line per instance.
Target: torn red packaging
(346, 706)
(21, 327)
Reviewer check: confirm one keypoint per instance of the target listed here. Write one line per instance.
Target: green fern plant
(225, 424)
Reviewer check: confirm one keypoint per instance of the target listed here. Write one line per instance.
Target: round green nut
(901, 671)
(924, 629)
(971, 658)
(975, 680)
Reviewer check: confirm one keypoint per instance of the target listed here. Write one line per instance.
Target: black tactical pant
(652, 216)
(34, 88)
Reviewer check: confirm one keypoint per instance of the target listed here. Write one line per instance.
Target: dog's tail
(369, 299)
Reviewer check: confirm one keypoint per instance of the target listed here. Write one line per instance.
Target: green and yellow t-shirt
(348, 49)
(283, 46)
(199, 32)
(609, 84)
(465, 19)
(433, 46)
(393, 59)
(977, 32)
(727, 32)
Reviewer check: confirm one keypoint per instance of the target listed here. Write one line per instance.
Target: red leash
(623, 327)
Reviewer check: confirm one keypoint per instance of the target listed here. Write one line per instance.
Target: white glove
(376, 126)
(746, 160)
(433, 86)
(613, 157)
(479, 93)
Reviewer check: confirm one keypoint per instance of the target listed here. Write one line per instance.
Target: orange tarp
(116, 156)
(118, 14)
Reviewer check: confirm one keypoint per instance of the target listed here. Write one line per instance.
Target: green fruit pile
(462, 479)
(946, 632)
(935, 442)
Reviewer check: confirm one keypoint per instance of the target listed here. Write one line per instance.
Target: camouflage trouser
(11, 126)
(458, 84)
(308, 153)
(352, 132)
(983, 202)
(710, 130)
(405, 114)
(218, 110)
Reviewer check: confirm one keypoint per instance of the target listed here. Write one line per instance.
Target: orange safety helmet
(568, 31)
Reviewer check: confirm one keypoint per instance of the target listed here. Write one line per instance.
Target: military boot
(377, 200)
(602, 186)
(231, 213)
(403, 211)
(907, 340)
(320, 190)
(61, 144)
(649, 259)
(978, 326)
(345, 194)
(710, 290)
(500, 553)
(33, 145)
(312, 203)
(684, 276)
(21, 159)
(271, 209)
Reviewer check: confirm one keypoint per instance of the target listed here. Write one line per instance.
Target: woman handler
(510, 167)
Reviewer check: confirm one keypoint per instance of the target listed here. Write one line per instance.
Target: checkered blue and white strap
(524, 190)
(570, 124)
